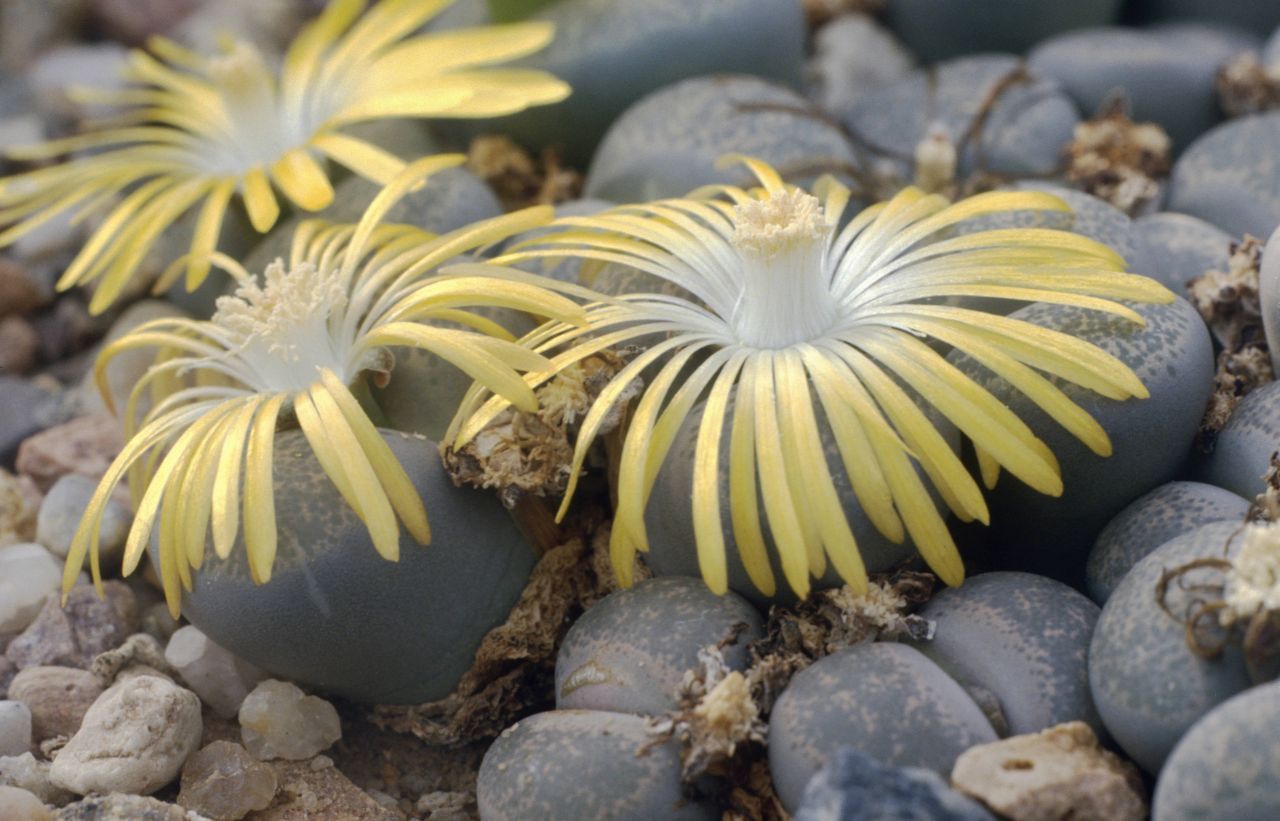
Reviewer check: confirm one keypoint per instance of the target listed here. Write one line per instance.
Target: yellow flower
(783, 301)
(287, 351)
(198, 131)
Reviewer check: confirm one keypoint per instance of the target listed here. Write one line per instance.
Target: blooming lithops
(200, 130)
(783, 299)
(626, 409)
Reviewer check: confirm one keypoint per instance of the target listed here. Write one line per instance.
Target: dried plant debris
(1266, 505)
(518, 179)
(522, 453)
(818, 12)
(1117, 160)
(936, 160)
(514, 668)
(1229, 302)
(1236, 601)
(721, 721)
(1246, 85)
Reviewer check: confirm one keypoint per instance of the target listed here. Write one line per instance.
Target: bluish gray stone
(939, 29)
(582, 765)
(614, 52)
(1166, 74)
(1151, 520)
(1151, 438)
(1260, 16)
(1230, 176)
(1177, 248)
(883, 699)
(336, 615)
(1022, 638)
(668, 143)
(1242, 451)
(852, 786)
(1147, 683)
(853, 56)
(1227, 764)
(629, 652)
(26, 408)
(1024, 133)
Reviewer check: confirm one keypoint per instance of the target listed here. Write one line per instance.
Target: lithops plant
(581, 765)
(1226, 764)
(1168, 511)
(796, 325)
(197, 132)
(294, 350)
(1148, 684)
(884, 699)
(630, 651)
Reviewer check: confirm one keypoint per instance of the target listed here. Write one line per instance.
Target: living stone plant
(836, 378)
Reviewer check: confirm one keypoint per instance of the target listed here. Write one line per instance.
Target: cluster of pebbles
(1057, 682)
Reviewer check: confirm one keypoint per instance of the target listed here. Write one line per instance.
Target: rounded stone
(1227, 764)
(580, 765)
(15, 728)
(668, 143)
(1176, 248)
(134, 739)
(1151, 520)
(938, 29)
(629, 652)
(64, 506)
(339, 617)
(20, 805)
(1023, 134)
(613, 52)
(1242, 451)
(1148, 685)
(884, 699)
(853, 56)
(1230, 176)
(58, 698)
(1022, 638)
(279, 720)
(1150, 438)
(28, 574)
(852, 786)
(1167, 74)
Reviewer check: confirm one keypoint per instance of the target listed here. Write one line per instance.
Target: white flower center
(260, 128)
(283, 326)
(1253, 582)
(786, 296)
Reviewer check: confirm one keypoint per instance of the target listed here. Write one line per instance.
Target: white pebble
(28, 573)
(17, 804)
(134, 739)
(278, 720)
(15, 728)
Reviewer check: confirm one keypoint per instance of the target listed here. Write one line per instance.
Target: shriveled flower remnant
(782, 301)
(198, 131)
(294, 349)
